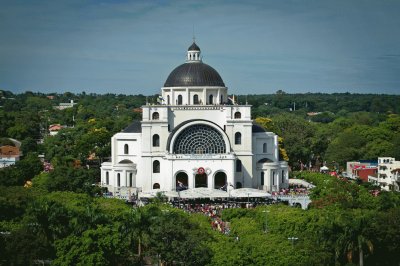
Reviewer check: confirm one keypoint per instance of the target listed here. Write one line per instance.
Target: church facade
(196, 137)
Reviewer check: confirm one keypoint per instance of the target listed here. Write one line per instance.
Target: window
(265, 148)
(273, 178)
(179, 99)
(283, 176)
(156, 166)
(126, 149)
(107, 178)
(238, 138)
(130, 179)
(238, 185)
(156, 186)
(199, 139)
(238, 115)
(168, 100)
(156, 140)
(210, 99)
(262, 178)
(118, 180)
(238, 166)
(221, 99)
(195, 99)
(156, 116)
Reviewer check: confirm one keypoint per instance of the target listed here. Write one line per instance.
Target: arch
(156, 186)
(125, 161)
(238, 165)
(238, 138)
(118, 180)
(156, 140)
(180, 100)
(238, 115)
(126, 149)
(264, 148)
(168, 100)
(156, 166)
(174, 136)
(107, 178)
(238, 185)
(201, 180)
(199, 139)
(219, 180)
(155, 116)
(210, 99)
(262, 178)
(181, 181)
(195, 99)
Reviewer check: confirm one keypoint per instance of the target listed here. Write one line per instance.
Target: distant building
(361, 169)
(388, 177)
(53, 129)
(9, 155)
(63, 106)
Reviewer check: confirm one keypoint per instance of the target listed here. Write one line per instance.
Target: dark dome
(194, 47)
(194, 74)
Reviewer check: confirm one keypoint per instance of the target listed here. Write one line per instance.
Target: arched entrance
(219, 180)
(200, 180)
(181, 182)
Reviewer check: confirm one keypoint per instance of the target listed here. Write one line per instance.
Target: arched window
(107, 178)
(265, 148)
(156, 140)
(126, 149)
(118, 180)
(195, 99)
(238, 166)
(168, 100)
(210, 99)
(156, 186)
(156, 166)
(238, 115)
(179, 99)
(199, 139)
(238, 138)
(155, 116)
(262, 178)
(130, 179)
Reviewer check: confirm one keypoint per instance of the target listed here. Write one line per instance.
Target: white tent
(153, 193)
(294, 181)
(249, 193)
(324, 168)
(203, 193)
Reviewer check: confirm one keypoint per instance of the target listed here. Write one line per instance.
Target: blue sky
(130, 47)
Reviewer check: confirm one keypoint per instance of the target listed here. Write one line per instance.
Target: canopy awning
(153, 193)
(249, 193)
(203, 193)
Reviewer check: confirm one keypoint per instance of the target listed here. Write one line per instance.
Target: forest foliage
(62, 217)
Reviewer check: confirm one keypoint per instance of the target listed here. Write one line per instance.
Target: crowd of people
(213, 209)
(292, 191)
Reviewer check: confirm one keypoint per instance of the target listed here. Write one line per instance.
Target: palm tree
(354, 238)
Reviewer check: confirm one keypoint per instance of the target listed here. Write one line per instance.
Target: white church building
(196, 137)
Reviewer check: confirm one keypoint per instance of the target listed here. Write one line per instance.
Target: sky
(258, 47)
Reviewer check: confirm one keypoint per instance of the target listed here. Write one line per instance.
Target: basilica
(195, 137)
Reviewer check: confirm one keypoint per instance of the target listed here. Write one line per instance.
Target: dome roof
(194, 74)
(194, 47)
